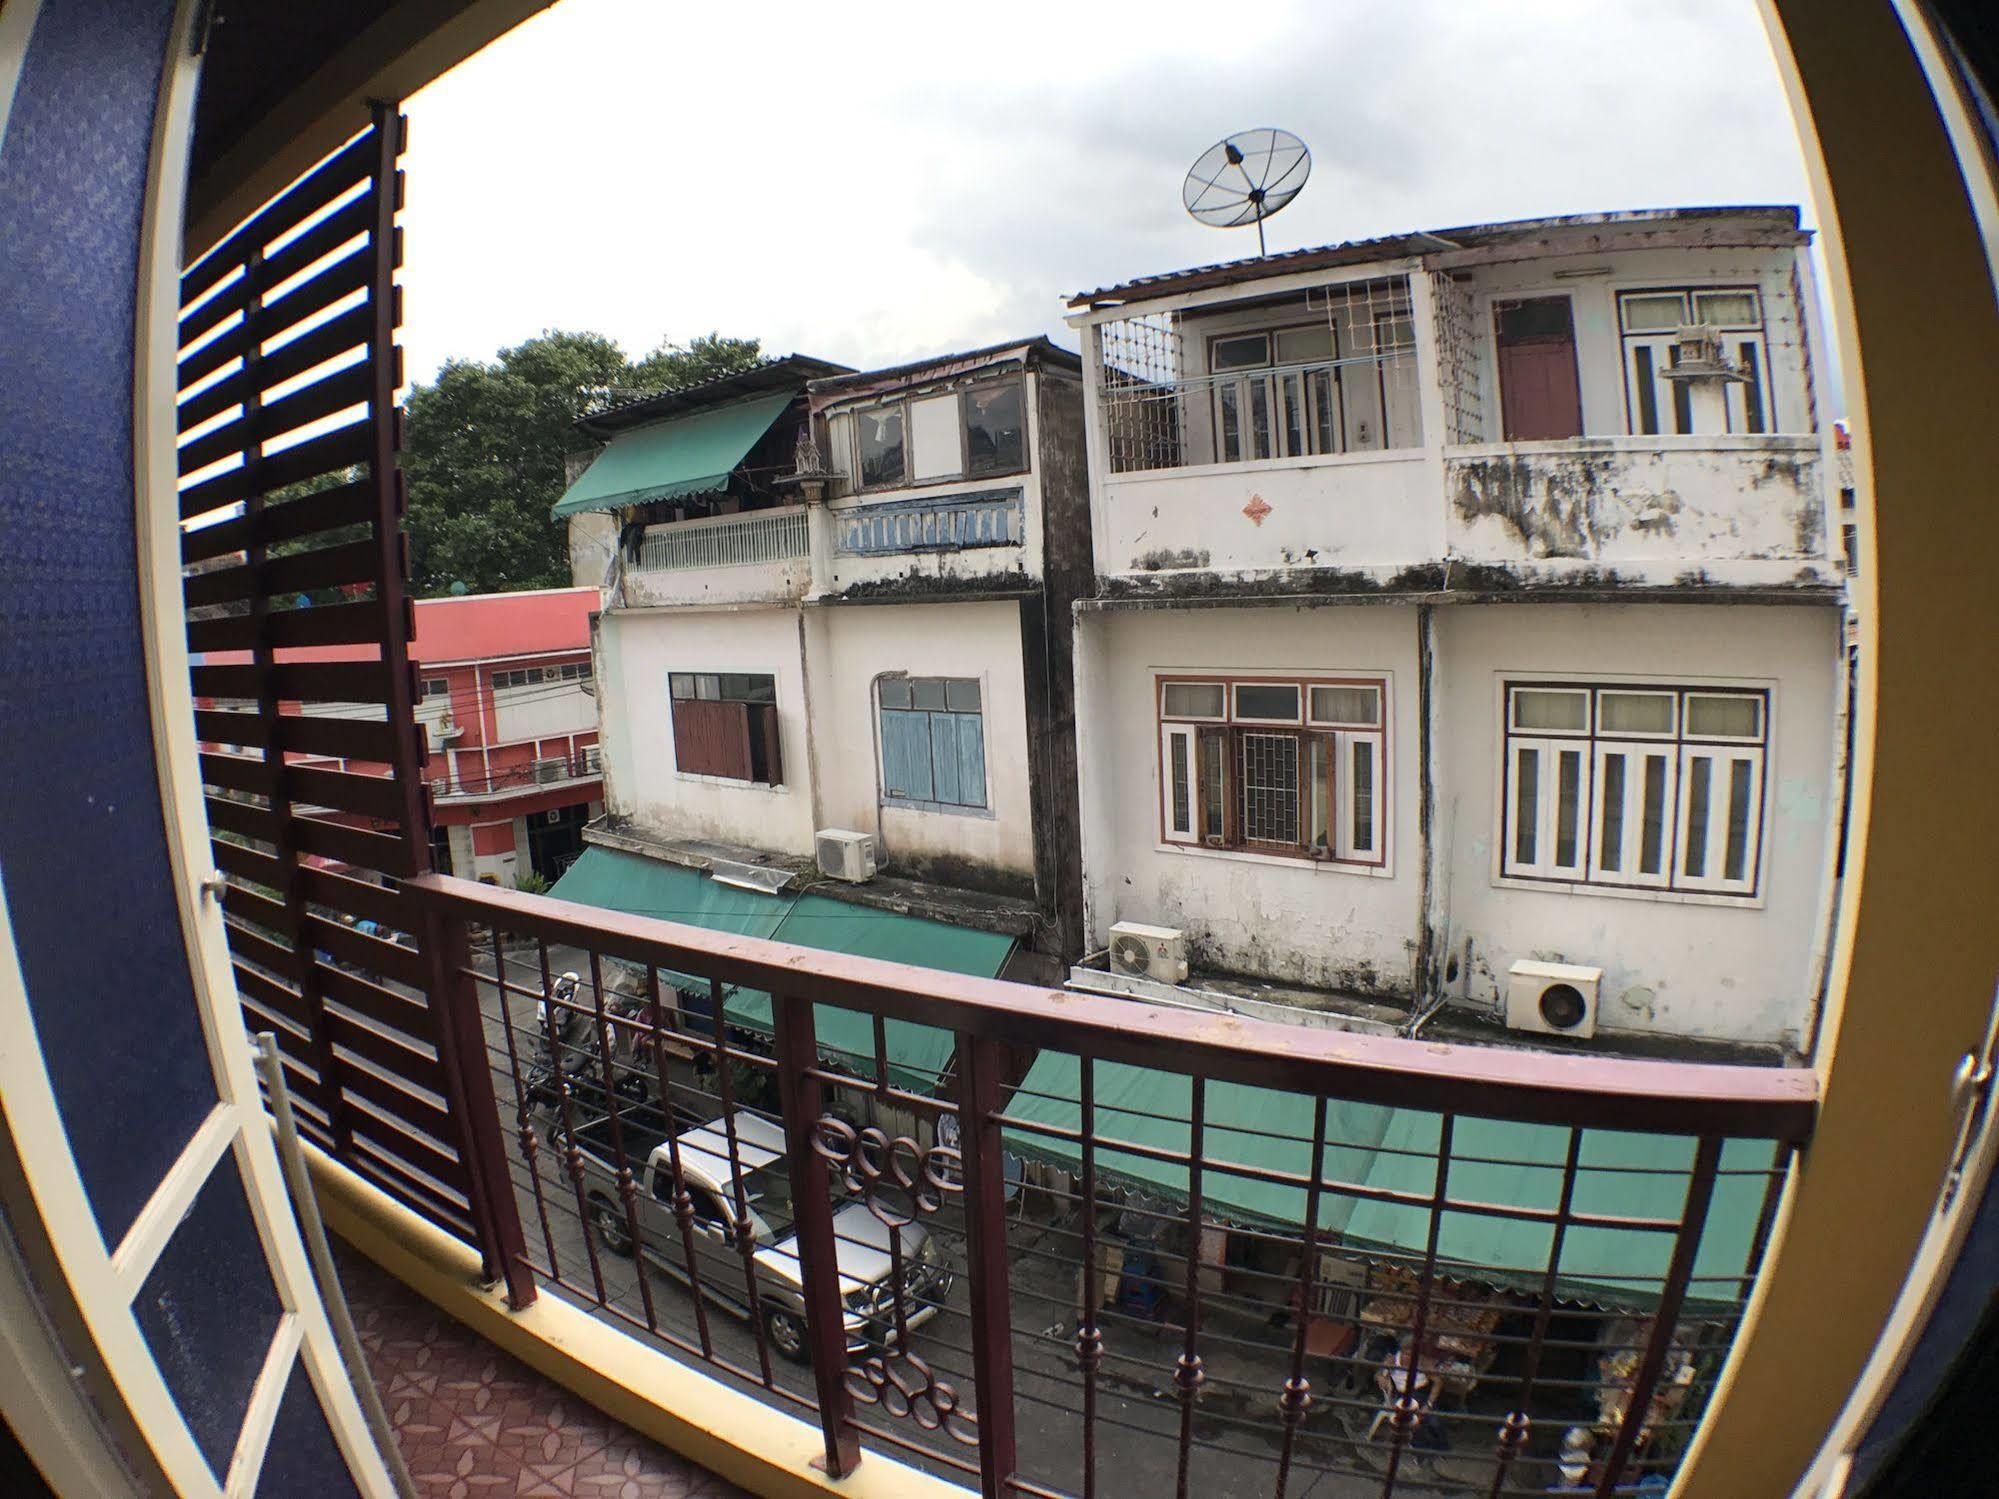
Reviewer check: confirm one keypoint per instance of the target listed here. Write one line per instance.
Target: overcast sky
(876, 183)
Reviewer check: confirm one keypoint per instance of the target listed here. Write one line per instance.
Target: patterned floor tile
(475, 1423)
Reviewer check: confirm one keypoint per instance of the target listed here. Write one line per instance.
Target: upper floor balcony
(1516, 399)
(758, 556)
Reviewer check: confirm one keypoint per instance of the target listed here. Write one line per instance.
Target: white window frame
(1661, 340)
(1713, 877)
(1680, 749)
(1343, 849)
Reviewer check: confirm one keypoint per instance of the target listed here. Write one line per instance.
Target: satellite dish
(1246, 178)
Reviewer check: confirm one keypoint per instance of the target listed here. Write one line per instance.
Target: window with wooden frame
(725, 724)
(1650, 320)
(1634, 786)
(933, 742)
(1292, 766)
(975, 432)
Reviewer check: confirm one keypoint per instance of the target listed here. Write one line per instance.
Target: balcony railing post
(991, 1310)
(802, 1100)
(1672, 1296)
(461, 1034)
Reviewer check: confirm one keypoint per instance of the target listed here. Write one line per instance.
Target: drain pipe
(313, 1231)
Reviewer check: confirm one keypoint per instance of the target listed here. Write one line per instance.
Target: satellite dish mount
(1245, 179)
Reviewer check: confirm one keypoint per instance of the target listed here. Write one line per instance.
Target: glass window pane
(928, 692)
(881, 445)
(1301, 345)
(1319, 780)
(1568, 806)
(1354, 705)
(1526, 804)
(1195, 700)
(1214, 784)
(1735, 865)
(1634, 712)
(1544, 710)
(961, 695)
(1231, 423)
(1652, 834)
(1180, 778)
(1242, 353)
(995, 429)
(1363, 796)
(1711, 716)
(1278, 700)
(1727, 309)
(1259, 417)
(1610, 829)
(1653, 312)
(681, 683)
(708, 687)
(1700, 775)
(894, 692)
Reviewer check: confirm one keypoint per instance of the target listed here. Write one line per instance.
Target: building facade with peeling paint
(1465, 599)
(842, 600)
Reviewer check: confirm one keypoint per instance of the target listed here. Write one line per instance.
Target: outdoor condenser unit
(1554, 999)
(1149, 952)
(846, 855)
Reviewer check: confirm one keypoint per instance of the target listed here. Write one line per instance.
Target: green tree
(484, 444)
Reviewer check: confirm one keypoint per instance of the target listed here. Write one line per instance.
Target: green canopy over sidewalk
(917, 1054)
(1622, 1174)
(681, 455)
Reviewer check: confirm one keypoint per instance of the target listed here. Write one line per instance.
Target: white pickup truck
(862, 1239)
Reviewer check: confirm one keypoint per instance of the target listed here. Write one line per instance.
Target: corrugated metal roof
(1765, 217)
(1034, 349)
(776, 373)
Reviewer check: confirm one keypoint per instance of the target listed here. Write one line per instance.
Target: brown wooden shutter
(773, 757)
(712, 739)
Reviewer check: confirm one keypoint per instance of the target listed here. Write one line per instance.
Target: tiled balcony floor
(476, 1423)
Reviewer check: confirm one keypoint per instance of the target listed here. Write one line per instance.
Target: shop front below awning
(917, 1055)
(1383, 1149)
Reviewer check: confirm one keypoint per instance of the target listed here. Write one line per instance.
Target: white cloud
(872, 184)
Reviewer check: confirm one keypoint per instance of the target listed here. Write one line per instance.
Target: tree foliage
(484, 447)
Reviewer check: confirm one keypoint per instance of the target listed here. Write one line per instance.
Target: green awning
(683, 455)
(917, 1054)
(1259, 1128)
(1622, 1174)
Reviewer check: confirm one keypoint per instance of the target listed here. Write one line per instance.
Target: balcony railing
(552, 770)
(761, 536)
(1056, 1244)
(949, 523)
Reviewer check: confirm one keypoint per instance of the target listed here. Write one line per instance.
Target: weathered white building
(843, 601)
(1465, 599)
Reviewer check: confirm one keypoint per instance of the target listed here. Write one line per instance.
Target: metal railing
(760, 536)
(949, 523)
(1055, 1244)
(1304, 410)
(548, 770)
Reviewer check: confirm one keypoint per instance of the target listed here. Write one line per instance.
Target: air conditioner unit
(1554, 999)
(845, 855)
(1152, 952)
(547, 771)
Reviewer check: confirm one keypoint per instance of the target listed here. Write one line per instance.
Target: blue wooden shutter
(944, 756)
(906, 754)
(971, 759)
